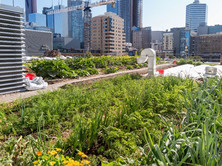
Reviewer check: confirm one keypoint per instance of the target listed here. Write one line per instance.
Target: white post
(151, 54)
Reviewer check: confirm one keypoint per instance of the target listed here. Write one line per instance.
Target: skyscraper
(131, 12)
(30, 7)
(76, 21)
(58, 22)
(196, 13)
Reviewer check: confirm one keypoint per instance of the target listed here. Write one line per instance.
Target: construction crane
(87, 16)
(82, 7)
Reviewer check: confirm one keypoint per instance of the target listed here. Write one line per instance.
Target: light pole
(13, 1)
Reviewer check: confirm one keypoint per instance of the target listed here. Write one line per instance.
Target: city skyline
(159, 14)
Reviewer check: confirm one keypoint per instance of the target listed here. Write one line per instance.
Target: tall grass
(197, 141)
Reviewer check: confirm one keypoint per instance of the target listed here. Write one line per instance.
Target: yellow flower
(53, 152)
(65, 162)
(39, 153)
(35, 162)
(85, 162)
(80, 153)
(52, 163)
(58, 149)
(76, 163)
(84, 156)
(57, 156)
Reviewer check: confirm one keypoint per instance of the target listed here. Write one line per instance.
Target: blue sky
(159, 14)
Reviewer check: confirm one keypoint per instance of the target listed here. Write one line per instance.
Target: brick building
(209, 47)
(107, 34)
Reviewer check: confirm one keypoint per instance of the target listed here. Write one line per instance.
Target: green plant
(89, 54)
(129, 67)
(111, 70)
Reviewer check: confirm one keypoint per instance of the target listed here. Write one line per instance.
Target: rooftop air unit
(12, 48)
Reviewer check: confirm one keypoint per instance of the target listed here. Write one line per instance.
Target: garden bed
(127, 120)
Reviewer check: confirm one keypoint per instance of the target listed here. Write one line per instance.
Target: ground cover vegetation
(79, 66)
(127, 120)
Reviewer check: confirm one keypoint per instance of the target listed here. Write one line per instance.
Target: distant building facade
(142, 38)
(107, 34)
(157, 40)
(196, 13)
(58, 22)
(30, 7)
(181, 44)
(209, 47)
(216, 29)
(131, 12)
(37, 42)
(62, 43)
(168, 43)
(76, 22)
(202, 29)
(38, 18)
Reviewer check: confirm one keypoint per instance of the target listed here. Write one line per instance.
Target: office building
(76, 22)
(196, 13)
(202, 29)
(181, 44)
(209, 47)
(63, 43)
(12, 49)
(58, 22)
(168, 43)
(107, 34)
(157, 40)
(131, 12)
(38, 18)
(37, 42)
(142, 38)
(216, 29)
(30, 7)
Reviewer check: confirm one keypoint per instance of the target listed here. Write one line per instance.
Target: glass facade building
(131, 12)
(196, 13)
(76, 22)
(215, 29)
(39, 19)
(30, 7)
(58, 22)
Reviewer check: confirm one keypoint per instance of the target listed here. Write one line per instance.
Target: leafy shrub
(89, 54)
(82, 73)
(93, 71)
(111, 70)
(136, 65)
(52, 69)
(197, 63)
(129, 67)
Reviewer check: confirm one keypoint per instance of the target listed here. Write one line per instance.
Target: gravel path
(22, 95)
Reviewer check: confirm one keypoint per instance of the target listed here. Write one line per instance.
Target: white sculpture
(149, 55)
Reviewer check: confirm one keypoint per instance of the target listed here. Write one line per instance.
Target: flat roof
(11, 8)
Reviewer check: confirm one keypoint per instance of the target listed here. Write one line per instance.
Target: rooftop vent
(12, 48)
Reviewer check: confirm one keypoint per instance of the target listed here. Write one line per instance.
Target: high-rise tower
(30, 7)
(76, 21)
(196, 13)
(131, 12)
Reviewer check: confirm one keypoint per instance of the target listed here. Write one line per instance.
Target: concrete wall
(37, 42)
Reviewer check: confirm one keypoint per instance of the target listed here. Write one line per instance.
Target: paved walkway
(22, 95)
